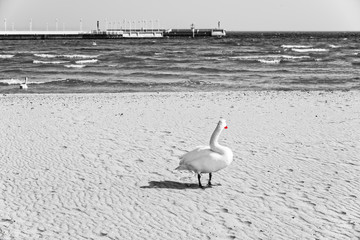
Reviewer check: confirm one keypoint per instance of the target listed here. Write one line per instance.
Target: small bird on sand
(24, 85)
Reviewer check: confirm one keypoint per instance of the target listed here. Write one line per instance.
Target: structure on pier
(111, 33)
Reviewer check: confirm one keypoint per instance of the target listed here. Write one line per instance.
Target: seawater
(240, 61)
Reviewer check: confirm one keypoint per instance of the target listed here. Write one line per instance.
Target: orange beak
(225, 127)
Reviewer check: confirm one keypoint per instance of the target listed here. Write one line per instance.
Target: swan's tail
(186, 168)
(181, 167)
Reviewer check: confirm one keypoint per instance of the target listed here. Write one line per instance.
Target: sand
(101, 166)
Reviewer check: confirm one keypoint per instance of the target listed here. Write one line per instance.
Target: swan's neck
(214, 141)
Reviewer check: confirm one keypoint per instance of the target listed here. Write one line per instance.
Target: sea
(241, 61)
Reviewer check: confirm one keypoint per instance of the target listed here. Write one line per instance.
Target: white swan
(208, 159)
(24, 85)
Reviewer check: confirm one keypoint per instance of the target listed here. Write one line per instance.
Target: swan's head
(222, 124)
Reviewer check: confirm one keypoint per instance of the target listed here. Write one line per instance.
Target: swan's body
(24, 85)
(208, 159)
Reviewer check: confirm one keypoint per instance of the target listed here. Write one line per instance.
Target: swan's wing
(203, 160)
(197, 160)
(194, 154)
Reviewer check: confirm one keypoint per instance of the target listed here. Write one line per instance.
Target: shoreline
(91, 165)
(179, 91)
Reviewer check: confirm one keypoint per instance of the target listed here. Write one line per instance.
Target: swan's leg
(199, 176)
(210, 175)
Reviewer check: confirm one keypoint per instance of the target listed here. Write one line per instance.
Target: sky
(235, 15)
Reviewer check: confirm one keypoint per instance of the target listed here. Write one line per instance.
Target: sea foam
(79, 56)
(74, 66)
(15, 81)
(71, 56)
(296, 46)
(45, 55)
(49, 62)
(86, 61)
(6, 56)
(270, 61)
(302, 50)
(11, 81)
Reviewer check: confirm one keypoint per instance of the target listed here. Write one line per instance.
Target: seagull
(24, 85)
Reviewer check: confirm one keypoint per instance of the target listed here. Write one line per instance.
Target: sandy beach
(101, 166)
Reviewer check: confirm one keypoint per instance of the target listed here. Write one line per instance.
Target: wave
(86, 61)
(207, 70)
(272, 61)
(49, 62)
(79, 82)
(245, 57)
(15, 81)
(66, 82)
(6, 56)
(74, 66)
(302, 50)
(71, 56)
(80, 56)
(11, 81)
(45, 55)
(296, 46)
(155, 75)
(215, 58)
(295, 57)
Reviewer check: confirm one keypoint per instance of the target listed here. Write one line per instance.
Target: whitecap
(74, 66)
(6, 56)
(245, 57)
(15, 81)
(86, 61)
(45, 55)
(272, 61)
(49, 62)
(295, 46)
(309, 50)
(11, 81)
(294, 57)
(79, 56)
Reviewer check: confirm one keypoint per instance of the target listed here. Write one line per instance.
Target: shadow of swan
(171, 185)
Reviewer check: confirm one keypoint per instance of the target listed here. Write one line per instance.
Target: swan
(24, 85)
(208, 159)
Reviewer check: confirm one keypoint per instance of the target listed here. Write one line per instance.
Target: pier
(112, 34)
